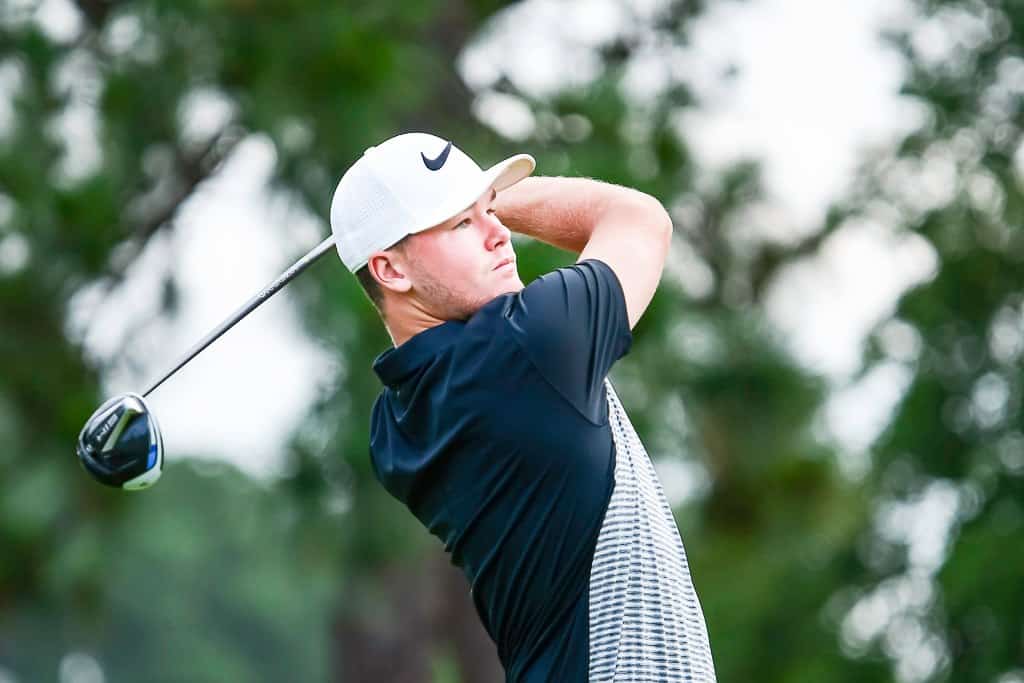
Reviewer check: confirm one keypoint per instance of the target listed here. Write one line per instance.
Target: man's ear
(389, 270)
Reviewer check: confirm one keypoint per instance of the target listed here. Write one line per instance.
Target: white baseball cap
(405, 185)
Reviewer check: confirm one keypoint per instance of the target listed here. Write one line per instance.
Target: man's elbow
(640, 211)
(660, 220)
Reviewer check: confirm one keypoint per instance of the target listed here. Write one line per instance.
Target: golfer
(497, 426)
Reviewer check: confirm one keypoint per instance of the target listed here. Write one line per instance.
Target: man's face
(458, 266)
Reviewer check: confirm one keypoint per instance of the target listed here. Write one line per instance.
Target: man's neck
(406, 322)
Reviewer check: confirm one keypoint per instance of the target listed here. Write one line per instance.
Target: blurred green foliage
(198, 581)
(806, 572)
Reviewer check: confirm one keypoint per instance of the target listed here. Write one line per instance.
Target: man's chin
(512, 287)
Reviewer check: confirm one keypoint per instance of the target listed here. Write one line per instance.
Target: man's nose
(496, 234)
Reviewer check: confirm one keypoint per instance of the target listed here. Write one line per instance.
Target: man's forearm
(562, 211)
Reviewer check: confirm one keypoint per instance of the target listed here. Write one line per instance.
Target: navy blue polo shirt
(494, 432)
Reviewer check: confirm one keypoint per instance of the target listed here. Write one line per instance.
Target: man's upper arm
(633, 240)
(572, 325)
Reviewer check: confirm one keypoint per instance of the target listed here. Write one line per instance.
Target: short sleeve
(573, 326)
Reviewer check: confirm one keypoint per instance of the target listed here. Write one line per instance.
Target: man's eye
(462, 223)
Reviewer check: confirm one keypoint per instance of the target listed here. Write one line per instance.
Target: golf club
(121, 445)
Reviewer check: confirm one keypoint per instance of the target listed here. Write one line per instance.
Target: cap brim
(510, 171)
(502, 175)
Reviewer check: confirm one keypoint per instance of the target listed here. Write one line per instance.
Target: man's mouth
(504, 262)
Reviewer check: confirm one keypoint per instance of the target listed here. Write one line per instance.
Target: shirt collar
(397, 362)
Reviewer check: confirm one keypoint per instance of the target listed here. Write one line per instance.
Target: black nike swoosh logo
(436, 164)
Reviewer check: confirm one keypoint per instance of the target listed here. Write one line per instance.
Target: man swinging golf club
(497, 426)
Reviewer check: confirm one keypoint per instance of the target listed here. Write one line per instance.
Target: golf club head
(121, 444)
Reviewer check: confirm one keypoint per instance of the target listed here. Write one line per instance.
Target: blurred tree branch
(96, 11)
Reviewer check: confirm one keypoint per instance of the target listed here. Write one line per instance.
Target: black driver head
(121, 445)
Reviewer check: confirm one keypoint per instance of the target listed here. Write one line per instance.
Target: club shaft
(247, 308)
